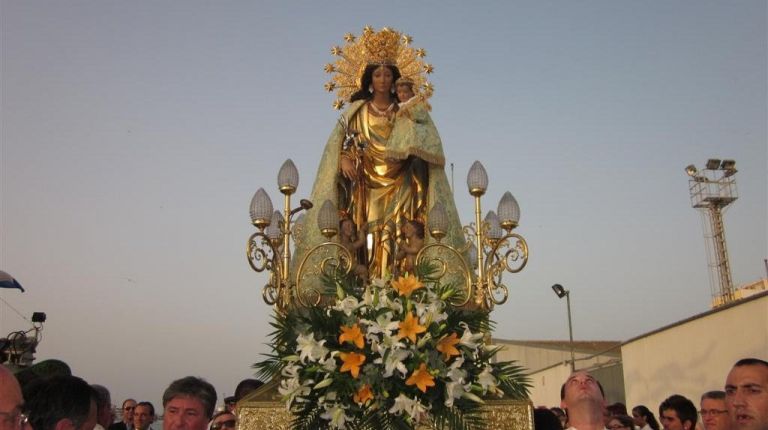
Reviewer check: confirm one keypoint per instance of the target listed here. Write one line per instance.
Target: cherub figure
(413, 241)
(354, 243)
(404, 91)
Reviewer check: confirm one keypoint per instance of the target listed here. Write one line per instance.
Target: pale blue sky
(135, 133)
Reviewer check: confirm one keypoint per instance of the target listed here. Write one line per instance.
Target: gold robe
(388, 192)
(403, 177)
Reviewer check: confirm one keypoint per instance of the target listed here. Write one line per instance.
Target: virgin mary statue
(383, 165)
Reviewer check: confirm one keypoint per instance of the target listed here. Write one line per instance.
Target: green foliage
(321, 324)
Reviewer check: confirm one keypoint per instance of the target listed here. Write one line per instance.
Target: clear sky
(135, 133)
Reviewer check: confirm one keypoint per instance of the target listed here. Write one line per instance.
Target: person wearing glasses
(11, 402)
(223, 420)
(714, 413)
(621, 422)
(129, 405)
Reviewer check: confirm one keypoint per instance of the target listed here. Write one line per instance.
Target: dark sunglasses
(230, 424)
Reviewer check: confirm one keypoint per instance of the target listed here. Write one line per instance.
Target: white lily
(379, 283)
(336, 416)
(412, 407)
(347, 305)
(290, 371)
(454, 390)
(329, 365)
(469, 339)
(310, 349)
(487, 380)
(291, 389)
(394, 361)
(456, 373)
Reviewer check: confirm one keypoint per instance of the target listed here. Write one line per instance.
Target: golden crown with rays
(385, 47)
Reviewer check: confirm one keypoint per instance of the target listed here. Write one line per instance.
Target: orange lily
(405, 285)
(352, 335)
(363, 395)
(446, 346)
(410, 328)
(352, 362)
(421, 378)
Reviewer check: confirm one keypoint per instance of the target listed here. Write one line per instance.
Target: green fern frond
(513, 380)
(269, 368)
(308, 418)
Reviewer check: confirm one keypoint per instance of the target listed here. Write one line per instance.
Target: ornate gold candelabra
(496, 249)
(490, 250)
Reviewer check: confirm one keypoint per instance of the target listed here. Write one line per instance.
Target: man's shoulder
(117, 426)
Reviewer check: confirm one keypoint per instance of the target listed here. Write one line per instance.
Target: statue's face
(382, 80)
(404, 93)
(347, 228)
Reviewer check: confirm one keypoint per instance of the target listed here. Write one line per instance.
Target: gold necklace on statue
(379, 112)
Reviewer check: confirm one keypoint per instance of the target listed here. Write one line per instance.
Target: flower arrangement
(390, 355)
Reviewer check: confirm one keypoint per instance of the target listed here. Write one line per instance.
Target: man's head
(104, 415)
(128, 407)
(143, 415)
(746, 394)
(61, 403)
(677, 413)
(245, 387)
(224, 420)
(11, 402)
(714, 414)
(581, 388)
(188, 404)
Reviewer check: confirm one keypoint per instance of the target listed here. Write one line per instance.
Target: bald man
(11, 402)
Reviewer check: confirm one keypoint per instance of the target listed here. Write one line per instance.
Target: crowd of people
(741, 405)
(66, 402)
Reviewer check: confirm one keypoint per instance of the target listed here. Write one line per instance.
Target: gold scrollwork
(444, 255)
(510, 253)
(261, 254)
(324, 259)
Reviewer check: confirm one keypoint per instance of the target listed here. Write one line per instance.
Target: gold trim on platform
(263, 410)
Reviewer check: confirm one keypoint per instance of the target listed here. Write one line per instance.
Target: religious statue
(380, 182)
(383, 165)
(354, 242)
(410, 245)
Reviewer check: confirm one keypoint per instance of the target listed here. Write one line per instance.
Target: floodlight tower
(712, 190)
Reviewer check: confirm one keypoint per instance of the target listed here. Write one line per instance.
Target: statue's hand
(348, 169)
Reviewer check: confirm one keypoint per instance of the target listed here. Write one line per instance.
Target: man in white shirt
(583, 399)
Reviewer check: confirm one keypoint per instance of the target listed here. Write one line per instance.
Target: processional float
(399, 341)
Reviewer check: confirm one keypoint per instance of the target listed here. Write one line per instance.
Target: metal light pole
(562, 292)
(712, 190)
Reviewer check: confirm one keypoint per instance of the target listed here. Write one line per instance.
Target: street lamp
(562, 292)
